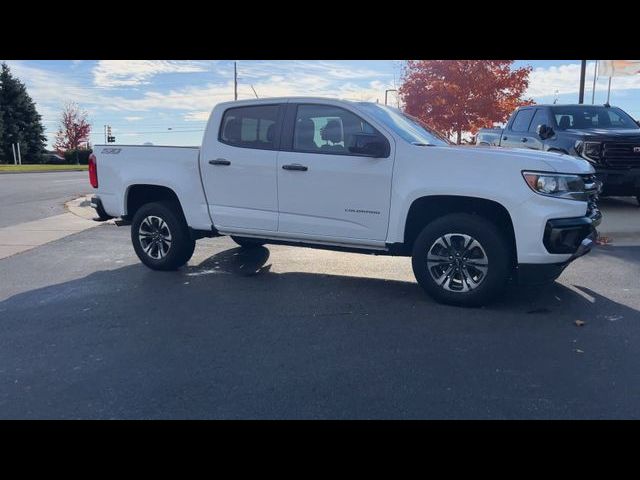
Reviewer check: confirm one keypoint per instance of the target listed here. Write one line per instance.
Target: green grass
(40, 168)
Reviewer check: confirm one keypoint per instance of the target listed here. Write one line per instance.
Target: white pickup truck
(358, 177)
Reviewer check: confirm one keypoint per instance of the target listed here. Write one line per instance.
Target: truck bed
(489, 136)
(122, 166)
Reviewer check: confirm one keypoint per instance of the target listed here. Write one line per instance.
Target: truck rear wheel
(246, 242)
(461, 259)
(160, 236)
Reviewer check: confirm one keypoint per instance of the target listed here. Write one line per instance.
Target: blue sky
(168, 102)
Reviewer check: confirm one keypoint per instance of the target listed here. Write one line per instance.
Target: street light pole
(583, 70)
(235, 81)
(595, 76)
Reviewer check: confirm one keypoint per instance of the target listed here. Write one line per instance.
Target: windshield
(409, 128)
(579, 116)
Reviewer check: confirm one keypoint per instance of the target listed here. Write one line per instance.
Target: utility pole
(105, 133)
(19, 156)
(15, 159)
(235, 80)
(583, 70)
(595, 75)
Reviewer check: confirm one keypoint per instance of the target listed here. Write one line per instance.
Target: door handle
(523, 139)
(505, 138)
(295, 166)
(219, 161)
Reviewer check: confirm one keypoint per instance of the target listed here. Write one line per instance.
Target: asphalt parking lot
(86, 331)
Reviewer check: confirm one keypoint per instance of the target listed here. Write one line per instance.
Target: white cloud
(133, 118)
(197, 116)
(545, 82)
(120, 73)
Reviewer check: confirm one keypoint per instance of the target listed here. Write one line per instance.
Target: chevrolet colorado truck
(357, 177)
(605, 136)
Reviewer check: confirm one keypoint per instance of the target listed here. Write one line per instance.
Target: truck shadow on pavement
(541, 299)
(229, 338)
(243, 278)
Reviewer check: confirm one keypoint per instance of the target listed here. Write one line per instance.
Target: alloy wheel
(155, 237)
(457, 262)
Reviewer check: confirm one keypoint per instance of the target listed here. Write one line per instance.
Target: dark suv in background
(605, 136)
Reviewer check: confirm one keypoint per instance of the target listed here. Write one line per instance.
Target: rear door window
(522, 120)
(251, 127)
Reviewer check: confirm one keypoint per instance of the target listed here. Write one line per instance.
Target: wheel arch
(424, 210)
(138, 195)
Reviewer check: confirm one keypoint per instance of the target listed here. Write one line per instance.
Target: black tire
(246, 242)
(181, 246)
(494, 249)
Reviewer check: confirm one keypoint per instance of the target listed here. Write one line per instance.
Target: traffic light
(110, 138)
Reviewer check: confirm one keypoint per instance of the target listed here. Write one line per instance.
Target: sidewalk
(25, 236)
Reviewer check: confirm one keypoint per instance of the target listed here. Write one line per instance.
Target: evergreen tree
(21, 122)
(1, 137)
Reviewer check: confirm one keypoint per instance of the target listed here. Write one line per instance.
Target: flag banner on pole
(618, 68)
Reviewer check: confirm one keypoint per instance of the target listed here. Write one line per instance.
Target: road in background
(86, 331)
(31, 196)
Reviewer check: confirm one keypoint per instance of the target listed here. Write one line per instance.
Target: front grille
(621, 155)
(592, 187)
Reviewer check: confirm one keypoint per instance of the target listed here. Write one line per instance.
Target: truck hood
(618, 135)
(531, 159)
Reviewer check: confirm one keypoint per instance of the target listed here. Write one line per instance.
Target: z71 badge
(111, 151)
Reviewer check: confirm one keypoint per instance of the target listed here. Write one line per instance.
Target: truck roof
(252, 101)
(567, 105)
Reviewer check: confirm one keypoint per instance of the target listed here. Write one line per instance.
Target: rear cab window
(255, 126)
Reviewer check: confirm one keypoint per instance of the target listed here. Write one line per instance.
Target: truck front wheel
(461, 259)
(160, 236)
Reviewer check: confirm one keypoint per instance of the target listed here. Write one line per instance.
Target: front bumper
(575, 236)
(619, 182)
(566, 235)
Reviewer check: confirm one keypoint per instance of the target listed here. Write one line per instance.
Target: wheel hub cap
(155, 237)
(457, 262)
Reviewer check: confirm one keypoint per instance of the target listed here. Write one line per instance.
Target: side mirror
(544, 131)
(369, 145)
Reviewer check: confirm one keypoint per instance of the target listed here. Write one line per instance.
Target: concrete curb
(81, 207)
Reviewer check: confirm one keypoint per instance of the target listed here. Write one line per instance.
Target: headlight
(556, 185)
(588, 150)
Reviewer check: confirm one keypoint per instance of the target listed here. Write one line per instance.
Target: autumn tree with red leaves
(455, 96)
(74, 130)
